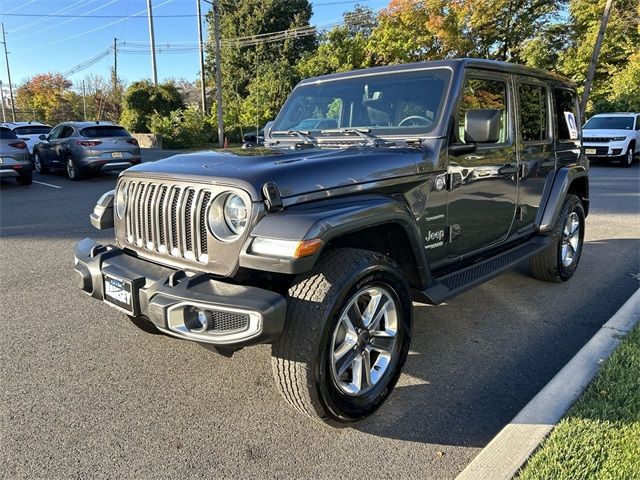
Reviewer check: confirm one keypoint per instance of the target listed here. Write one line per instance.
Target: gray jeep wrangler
(374, 189)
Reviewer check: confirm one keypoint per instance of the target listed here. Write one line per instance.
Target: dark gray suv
(432, 178)
(82, 147)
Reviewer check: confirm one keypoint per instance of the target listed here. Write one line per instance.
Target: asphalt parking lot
(84, 393)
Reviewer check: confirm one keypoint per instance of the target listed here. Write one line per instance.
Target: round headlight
(121, 200)
(235, 213)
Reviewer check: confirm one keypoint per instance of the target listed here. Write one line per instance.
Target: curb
(512, 446)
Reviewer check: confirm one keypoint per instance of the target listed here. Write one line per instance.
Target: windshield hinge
(272, 198)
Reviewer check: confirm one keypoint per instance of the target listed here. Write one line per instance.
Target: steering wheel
(415, 117)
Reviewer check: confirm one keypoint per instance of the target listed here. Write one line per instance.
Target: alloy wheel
(71, 168)
(570, 239)
(37, 163)
(364, 340)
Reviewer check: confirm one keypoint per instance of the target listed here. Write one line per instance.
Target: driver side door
(46, 146)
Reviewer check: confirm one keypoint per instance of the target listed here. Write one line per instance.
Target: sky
(58, 44)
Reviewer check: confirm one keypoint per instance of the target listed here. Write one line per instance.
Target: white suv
(29, 132)
(612, 136)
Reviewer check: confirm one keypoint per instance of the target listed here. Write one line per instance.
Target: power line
(71, 37)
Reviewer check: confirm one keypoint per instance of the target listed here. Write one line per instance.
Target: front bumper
(240, 315)
(610, 150)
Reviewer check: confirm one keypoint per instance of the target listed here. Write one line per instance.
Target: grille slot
(168, 219)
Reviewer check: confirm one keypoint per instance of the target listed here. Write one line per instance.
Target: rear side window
(7, 134)
(566, 114)
(32, 130)
(484, 94)
(104, 131)
(533, 112)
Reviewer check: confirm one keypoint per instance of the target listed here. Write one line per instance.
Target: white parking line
(47, 184)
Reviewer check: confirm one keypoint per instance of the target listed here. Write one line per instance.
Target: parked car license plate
(118, 292)
(590, 151)
(116, 154)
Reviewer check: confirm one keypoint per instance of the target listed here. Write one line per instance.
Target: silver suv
(14, 157)
(82, 147)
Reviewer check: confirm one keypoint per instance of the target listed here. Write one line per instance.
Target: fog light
(197, 320)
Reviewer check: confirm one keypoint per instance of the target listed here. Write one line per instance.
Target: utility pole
(6, 57)
(203, 95)
(4, 119)
(115, 64)
(152, 40)
(216, 33)
(84, 101)
(594, 56)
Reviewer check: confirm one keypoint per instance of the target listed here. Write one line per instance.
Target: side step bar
(452, 284)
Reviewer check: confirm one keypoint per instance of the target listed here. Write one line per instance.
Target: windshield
(104, 131)
(397, 103)
(32, 130)
(609, 123)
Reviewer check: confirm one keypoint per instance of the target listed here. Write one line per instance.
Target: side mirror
(482, 126)
(267, 128)
(42, 137)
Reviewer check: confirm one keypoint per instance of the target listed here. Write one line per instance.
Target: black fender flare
(328, 219)
(562, 182)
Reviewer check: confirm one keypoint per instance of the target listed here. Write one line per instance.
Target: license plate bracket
(120, 293)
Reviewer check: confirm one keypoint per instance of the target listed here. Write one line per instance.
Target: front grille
(597, 139)
(168, 219)
(226, 321)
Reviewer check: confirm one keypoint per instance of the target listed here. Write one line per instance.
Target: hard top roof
(457, 63)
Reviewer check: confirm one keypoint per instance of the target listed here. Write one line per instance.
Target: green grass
(600, 436)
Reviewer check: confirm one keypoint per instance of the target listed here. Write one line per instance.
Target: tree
(48, 97)
(243, 65)
(142, 99)
(343, 48)
(618, 57)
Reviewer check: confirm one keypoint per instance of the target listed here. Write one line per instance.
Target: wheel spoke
(371, 309)
(366, 369)
(342, 350)
(346, 361)
(380, 312)
(383, 343)
(356, 372)
(355, 315)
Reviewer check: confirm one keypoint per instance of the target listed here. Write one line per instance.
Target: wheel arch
(570, 180)
(375, 222)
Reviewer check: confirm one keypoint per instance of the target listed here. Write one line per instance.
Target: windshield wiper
(304, 135)
(370, 140)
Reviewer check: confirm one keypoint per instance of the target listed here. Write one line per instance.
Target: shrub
(142, 100)
(187, 128)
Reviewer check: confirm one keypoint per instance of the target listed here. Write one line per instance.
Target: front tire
(559, 261)
(627, 160)
(346, 336)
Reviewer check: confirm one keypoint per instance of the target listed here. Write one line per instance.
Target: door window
(483, 94)
(55, 132)
(533, 112)
(67, 131)
(566, 105)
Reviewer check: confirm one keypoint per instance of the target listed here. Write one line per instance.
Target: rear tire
(74, 172)
(25, 180)
(559, 261)
(329, 367)
(38, 164)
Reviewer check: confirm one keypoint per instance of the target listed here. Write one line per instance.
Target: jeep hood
(295, 172)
